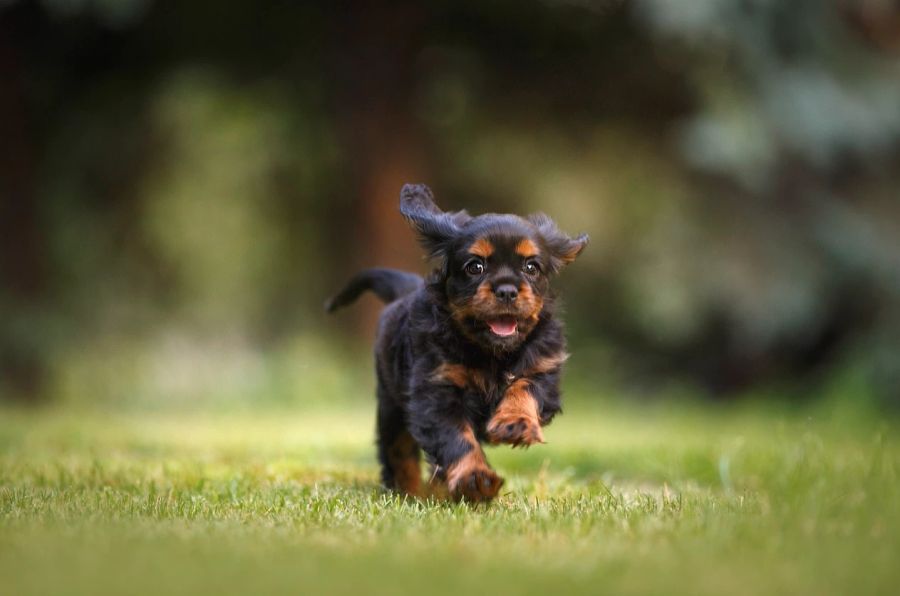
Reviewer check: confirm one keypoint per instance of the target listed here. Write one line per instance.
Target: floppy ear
(435, 228)
(563, 249)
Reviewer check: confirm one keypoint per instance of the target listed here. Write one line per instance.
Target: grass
(650, 500)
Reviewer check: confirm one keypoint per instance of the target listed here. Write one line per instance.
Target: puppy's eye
(475, 268)
(531, 268)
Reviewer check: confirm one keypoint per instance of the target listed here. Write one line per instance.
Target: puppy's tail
(387, 284)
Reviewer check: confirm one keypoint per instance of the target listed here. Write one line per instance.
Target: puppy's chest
(483, 383)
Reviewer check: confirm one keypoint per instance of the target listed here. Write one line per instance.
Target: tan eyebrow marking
(482, 248)
(526, 248)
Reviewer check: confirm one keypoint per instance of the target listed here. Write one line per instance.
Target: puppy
(470, 355)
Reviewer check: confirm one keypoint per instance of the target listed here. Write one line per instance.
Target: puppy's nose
(506, 292)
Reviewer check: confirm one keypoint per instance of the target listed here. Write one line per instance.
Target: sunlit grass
(619, 500)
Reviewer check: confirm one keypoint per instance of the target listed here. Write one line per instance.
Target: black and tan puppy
(471, 354)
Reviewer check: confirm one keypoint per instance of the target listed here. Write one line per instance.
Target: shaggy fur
(474, 353)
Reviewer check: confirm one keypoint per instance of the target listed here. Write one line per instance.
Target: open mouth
(503, 326)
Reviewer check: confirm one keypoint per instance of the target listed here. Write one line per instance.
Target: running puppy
(471, 354)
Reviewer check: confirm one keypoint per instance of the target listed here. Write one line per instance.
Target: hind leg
(398, 452)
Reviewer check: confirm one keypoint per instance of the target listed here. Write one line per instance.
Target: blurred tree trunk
(380, 135)
(877, 22)
(22, 266)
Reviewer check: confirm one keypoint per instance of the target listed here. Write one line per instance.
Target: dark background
(182, 184)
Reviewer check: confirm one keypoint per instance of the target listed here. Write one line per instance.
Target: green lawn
(620, 500)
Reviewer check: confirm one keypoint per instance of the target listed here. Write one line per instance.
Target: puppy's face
(495, 268)
(496, 280)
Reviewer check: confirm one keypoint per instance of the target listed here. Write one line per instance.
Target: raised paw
(514, 429)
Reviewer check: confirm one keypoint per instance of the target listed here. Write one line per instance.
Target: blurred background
(182, 184)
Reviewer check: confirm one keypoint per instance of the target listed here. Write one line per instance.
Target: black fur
(387, 284)
(433, 336)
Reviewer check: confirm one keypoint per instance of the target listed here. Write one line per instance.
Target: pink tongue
(503, 326)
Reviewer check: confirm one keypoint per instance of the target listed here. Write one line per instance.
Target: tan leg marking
(470, 477)
(403, 458)
(516, 421)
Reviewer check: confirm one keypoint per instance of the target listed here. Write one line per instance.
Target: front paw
(475, 485)
(470, 478)
(514, 429)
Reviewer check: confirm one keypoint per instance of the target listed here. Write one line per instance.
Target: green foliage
(197, 186)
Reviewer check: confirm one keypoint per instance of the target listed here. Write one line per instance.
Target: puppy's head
(495, 269)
